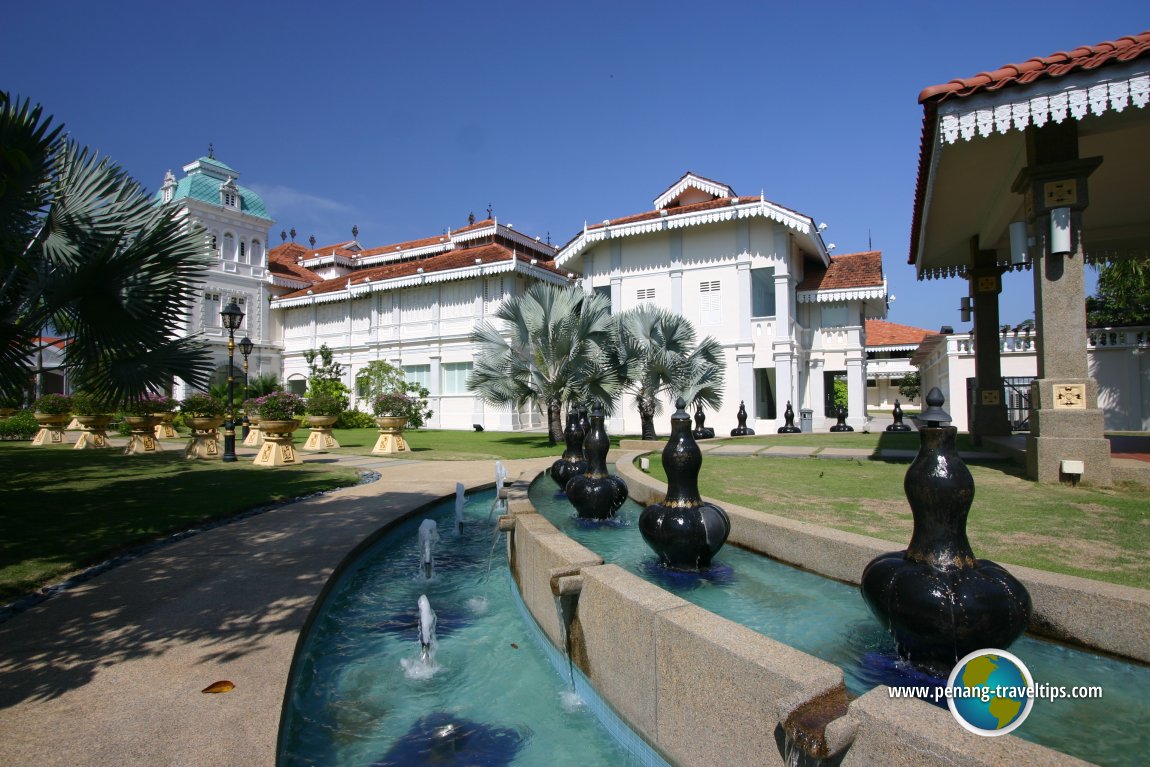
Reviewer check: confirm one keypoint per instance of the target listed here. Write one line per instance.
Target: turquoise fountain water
(363, 693)
(829, 620)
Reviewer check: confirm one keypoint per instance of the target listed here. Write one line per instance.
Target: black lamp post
(246, 347)
(231, 316)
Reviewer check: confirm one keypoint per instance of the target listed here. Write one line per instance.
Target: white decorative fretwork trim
(692, 181)
(999, 113)
(790, 219)
(841, 294)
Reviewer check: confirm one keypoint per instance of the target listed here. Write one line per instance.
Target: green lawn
(436, 445)
(63, 509)
(1101, 533)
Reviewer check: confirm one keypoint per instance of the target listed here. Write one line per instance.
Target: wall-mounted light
(1060, 231)
(1019, 244)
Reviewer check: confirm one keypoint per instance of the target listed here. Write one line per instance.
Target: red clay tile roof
(1084, 57)
(455, 259)
(883, 333)
(1055, 65)
(282, 262)
(850, 270)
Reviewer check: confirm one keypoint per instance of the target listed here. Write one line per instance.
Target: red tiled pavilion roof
(1055, 65)
(850, 270)
(282, 262)
(1082, 58)
(883, 333)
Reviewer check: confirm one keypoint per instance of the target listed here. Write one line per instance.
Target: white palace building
(754, 275)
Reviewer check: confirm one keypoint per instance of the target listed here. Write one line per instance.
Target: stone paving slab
(897, 453)
(846, 453)
(743, 450)
(789, 451)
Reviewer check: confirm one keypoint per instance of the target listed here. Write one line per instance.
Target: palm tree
(550, 350)
(85, 250)
(658, 356)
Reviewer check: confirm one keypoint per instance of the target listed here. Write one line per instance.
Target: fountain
(683, 530)
(460, 492)
(898, 425)
(428, 537)
(596, 494)
(789, 416)
(701, 430)
(741, 430)
(572, 462)
(939, 602)
(427, 640)
(841, 425)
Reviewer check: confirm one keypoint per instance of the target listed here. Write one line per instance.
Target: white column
(818, 393)
(675, 242)
(746, 389)
(743, 288)
(856, 379)
(435, 386)
(784, 346)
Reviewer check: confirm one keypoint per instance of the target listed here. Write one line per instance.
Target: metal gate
(1017, 391)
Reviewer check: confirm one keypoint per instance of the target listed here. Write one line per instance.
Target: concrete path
(111, 672)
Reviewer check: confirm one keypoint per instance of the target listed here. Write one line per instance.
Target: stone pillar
(989, 417)
(1065, 421)
(746, 381)
(856, 388)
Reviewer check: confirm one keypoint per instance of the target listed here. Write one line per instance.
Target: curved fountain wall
(704, 690)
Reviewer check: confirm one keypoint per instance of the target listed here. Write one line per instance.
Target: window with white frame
(243, 252)
(229, 253)
(454, 376)
(419, 375)
(710, 302)
(763, 292)
(257, 253)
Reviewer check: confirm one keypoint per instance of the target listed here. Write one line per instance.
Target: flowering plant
(399, 404)
(84, 403)
(148, 404)
(280, 406)
(53, 404)
(202, 406)
(324, 403)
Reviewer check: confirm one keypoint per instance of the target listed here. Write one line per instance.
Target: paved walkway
(111, 672)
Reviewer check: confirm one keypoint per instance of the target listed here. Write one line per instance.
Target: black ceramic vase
(898, 425)
(683, 530)
(572, 462)
(702, 431)
(789, 416)
(741, 430)
(938, 601)
(596, 494)
(842, 425)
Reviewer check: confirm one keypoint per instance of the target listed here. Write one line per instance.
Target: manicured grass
(436, 445)
(1100, 533)
(61, 510)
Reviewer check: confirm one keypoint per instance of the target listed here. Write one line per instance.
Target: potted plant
(9, 404)
(396, 410)
(163, 409)
(52, 412)
(324, 408)
(279, 412)
(94, 414)
(203, 412)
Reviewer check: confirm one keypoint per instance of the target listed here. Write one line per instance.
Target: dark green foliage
(355, 419)
(20, 425)
(1123, 296)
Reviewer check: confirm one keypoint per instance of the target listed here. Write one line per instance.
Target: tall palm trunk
(554, 422)
(647, 417)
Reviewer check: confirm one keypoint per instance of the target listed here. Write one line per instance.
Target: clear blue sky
(403, 117)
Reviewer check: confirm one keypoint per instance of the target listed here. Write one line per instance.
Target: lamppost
(246, 347)
(231, 316)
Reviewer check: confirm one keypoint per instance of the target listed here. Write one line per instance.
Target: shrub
(355, 419)
(399, 404)
(148, 404)
(324, 403)
(202, 406)
(84, 403)
(280, 406)
(53, 404)
(20, 425)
